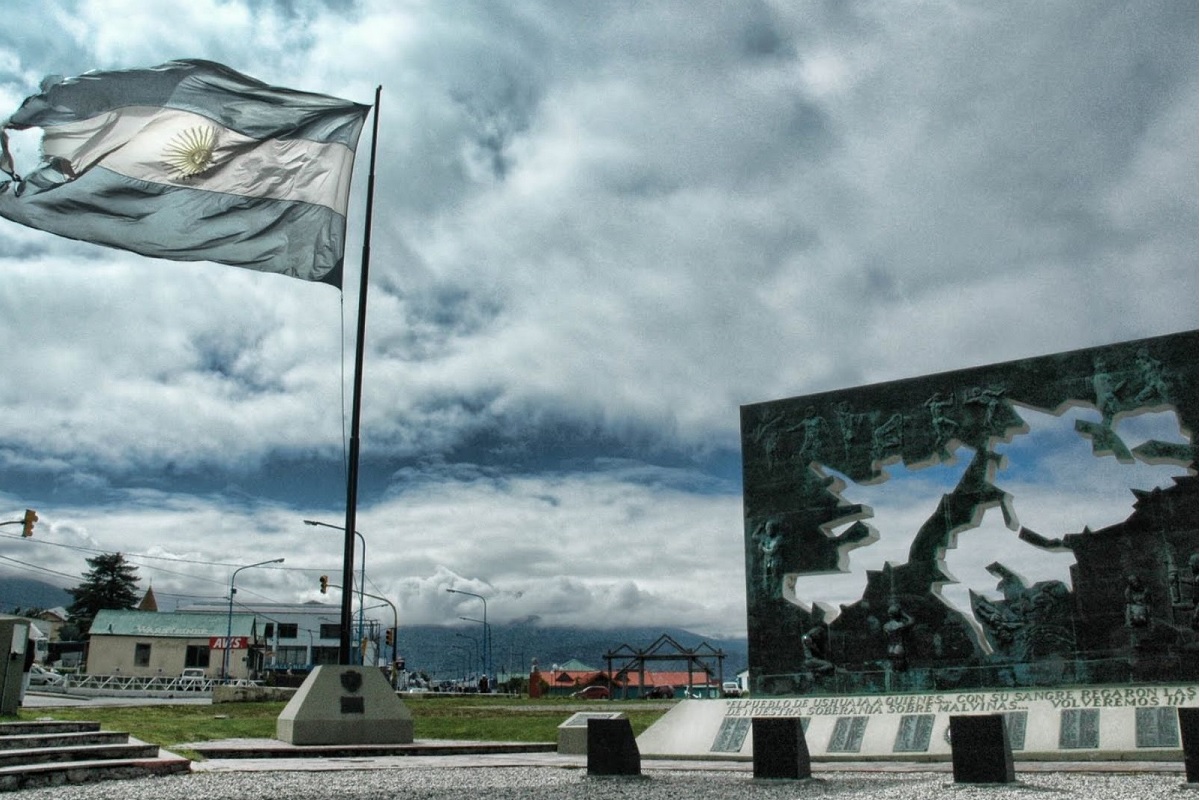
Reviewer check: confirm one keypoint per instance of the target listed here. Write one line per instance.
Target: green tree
(27, 611)
(110, 583)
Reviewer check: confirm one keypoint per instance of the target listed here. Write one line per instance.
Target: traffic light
(389, 637)
(324, 584)
(27, 523)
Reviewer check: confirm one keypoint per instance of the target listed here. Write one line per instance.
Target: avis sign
(228, 642)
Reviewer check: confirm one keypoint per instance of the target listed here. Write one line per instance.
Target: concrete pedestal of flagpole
(345, 705)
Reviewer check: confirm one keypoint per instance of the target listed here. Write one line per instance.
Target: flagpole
(347, 619)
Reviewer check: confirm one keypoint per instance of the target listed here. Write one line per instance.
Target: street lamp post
(362, 572)
(487, 640)
(464, 664)
(229, 625)
(474, 649)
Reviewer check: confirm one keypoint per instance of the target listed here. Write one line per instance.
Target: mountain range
(25, 593)
(449, 651)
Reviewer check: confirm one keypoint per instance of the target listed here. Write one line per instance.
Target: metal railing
(151, 685)
(1050, 673)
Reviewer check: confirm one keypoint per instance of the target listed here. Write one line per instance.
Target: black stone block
(611, 748)
(780, 749)
(1188, 733)
(980, 750)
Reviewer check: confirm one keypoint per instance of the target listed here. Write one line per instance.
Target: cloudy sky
(599, 229)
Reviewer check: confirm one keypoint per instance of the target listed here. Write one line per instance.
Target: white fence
(145, 685)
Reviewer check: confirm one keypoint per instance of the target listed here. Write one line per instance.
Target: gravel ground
(556, 783)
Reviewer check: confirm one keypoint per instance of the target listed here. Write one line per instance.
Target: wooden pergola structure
(699, 659)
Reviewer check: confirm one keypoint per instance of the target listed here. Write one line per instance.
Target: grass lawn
(471, 718)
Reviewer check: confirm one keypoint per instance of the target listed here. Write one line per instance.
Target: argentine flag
(190, 161)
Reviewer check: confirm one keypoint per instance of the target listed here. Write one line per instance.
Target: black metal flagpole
(347, 620)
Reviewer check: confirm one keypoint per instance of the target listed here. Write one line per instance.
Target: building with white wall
(295, 636)
(153, 644)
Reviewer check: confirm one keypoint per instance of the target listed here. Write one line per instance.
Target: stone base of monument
(1189, 728)
(345, 705)
(780, 751)
(611, 748)
(1104, 723)
(980, 750)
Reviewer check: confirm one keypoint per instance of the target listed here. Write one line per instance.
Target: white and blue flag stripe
(190, 161)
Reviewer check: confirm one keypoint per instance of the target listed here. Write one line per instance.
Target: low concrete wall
(251, 694)
(1094, 724)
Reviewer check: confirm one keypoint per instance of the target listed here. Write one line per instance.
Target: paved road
(35, 699)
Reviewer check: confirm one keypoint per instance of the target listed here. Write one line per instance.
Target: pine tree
(110, 583)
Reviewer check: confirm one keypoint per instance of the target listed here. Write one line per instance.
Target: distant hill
(448, 650)
(16, 592)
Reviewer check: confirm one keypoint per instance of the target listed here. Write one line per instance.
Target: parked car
(731, 689)
(41, 676)
(659, 693)
(192, 676)
(592, 693)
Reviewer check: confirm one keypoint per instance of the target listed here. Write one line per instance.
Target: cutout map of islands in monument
(1032, 523)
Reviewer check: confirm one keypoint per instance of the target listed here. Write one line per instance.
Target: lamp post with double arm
(362, 571)
(395, 631)
(487, 639)
(229, 625)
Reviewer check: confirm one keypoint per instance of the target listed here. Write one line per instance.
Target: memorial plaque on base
(1016, 722)
(847, 735)
(1079, 728)
(1156, 727)
(731, 735)
(914, 734)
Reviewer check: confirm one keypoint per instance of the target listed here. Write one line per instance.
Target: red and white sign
(228, 642)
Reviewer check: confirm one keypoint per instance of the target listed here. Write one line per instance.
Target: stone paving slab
(274, 748)
(271, 755)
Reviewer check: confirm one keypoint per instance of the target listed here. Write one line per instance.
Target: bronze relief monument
(1124, 613)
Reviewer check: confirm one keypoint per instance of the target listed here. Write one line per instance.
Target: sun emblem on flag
(191, 151)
